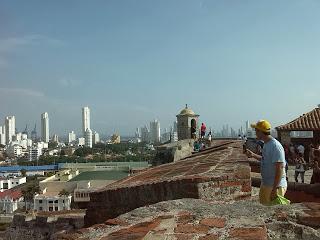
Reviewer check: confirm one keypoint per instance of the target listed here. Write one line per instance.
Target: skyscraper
(95, 138)
(45, 127)
(88, 138)
(71, 137)
(155, 133)
(85, 119)
(2, 135)
(10, 127)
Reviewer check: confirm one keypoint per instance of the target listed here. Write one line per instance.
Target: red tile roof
(13, 194)
(307, 122)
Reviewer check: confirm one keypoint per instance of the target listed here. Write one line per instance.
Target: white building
(81, 141)
(145, 134)
(10, 127)
(88, 138)
(11, 182)
(35, 153)
(45, 127)
(14, 150)
(71, 137)
(155, 131)
(17, 137)
(9, 201)
(2, 135)
(55, 138)
(85, 119)
(51, 203)
(95, 138)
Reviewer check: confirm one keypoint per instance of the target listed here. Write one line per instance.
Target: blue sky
(132, 61)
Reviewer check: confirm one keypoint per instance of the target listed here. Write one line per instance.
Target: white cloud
(12, 43)
(21, 92)
(68, 82)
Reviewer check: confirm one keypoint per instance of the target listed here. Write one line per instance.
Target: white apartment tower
(88, 138)
(85, 119)
(2, 135)
(10, 127)
(45, 127)
(72, 137)
(95, 138)
(155, 134)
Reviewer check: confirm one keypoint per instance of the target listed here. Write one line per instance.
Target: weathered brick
(191, 228)
(214, 222)
(209, 237)
(253, 233)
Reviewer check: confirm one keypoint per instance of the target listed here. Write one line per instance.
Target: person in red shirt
(203, 130)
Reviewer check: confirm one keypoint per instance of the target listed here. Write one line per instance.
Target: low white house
(9, 201)
(51, 203)
(7, 183)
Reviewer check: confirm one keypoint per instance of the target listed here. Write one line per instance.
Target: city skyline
(149, 59)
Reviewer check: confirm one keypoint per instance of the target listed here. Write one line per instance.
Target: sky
(132, 61)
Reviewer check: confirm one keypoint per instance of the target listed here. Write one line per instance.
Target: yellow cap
(263, 126)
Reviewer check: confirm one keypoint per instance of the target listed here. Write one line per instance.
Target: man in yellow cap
(273, 163)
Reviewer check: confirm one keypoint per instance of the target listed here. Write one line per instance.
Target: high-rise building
(145, 134)
(45, 127)
(155, 133)
(10, 126)
(2, 135)
(95, 138)
(34, 133)
(71, 137)
(88, 138)
(85, 119)
(55, 138)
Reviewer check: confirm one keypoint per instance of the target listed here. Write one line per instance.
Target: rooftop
(100, 175)
(307, 122)
(11, 193)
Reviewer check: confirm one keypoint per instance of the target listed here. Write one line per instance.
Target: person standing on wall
(203, 130)
(273, 163)
(300, 167)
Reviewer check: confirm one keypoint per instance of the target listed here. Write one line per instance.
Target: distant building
(55, 138)
(81, 141)
(115, 139)
(35, 153)
(14, 150)
(45, 127)
(95, 138)
(2, 135)
(138, 133)
(88, 138)
(44, 203)
(186, 120)
(85, 119)
(155, 131)
(9, 200)
(145, 134)
(71, 137)
(11, 182)
(10, 127)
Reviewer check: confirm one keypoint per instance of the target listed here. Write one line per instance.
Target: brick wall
(220, 173)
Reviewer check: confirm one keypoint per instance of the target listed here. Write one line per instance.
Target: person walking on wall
(272, 162)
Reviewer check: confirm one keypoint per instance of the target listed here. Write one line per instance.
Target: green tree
(23, 172)
(29, 192)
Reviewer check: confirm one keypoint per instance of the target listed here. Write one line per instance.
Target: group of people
(304, 159)
(274, 160)
(199, 145)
